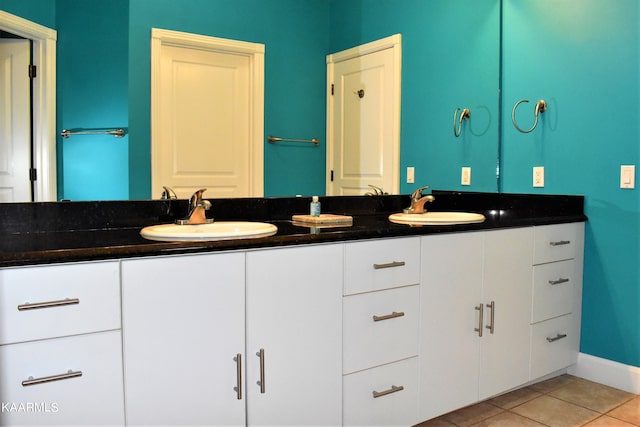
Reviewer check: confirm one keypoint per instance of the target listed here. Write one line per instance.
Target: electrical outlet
(538, 176)
(466, 176)
(410, 175)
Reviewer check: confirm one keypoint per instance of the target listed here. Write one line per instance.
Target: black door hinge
(33, 174)
(332, 88)
(32, 71)
(331, 176)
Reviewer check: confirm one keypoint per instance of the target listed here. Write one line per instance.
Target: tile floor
(559, 402)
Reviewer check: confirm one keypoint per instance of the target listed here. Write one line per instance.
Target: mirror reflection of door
(205, 131)
(15, 120)
(364, 119)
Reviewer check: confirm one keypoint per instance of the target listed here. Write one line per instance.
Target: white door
(15, 134)
(294, 314)
(364, 111)
(183, 327)
(205, 131)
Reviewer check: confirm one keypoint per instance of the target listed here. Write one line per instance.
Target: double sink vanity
(373, 323)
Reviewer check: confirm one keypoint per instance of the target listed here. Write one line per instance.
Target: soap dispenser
(314, 209)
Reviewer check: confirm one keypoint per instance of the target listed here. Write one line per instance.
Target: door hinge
(32, 71)
(33, 174)
(331, 176)
(332, 88)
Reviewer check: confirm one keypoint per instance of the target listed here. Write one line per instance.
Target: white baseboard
(607, 372)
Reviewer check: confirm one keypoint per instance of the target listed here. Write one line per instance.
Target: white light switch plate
(466, 176)
(410, 175)
(538, 176)
(627, 176)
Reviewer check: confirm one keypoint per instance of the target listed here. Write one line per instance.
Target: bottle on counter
(314, 209)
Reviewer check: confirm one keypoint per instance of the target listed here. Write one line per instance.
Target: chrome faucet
(197, 208)
(418, 201)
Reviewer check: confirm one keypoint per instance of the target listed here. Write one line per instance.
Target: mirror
(450, 57)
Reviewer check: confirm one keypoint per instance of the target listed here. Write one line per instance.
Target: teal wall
(450, 59)
(92, 91)
(582, 57)
(42, 12)
(295, 34)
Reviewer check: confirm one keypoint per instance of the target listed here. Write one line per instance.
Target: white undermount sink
(221, 230)
(437, 218)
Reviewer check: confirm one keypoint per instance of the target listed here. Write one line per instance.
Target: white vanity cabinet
(185, 322)
(380, 332)
(557, 296)
(475, 311)
(60, 345)
(294, 340)
(183, 326)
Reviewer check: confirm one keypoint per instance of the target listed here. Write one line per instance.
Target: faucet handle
(418, 193)
(168, 193)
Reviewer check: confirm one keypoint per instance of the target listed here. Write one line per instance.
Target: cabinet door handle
(492, 324)
(480, 308)
(260, 354)
(393, 315)
(557, 282)
(389, 265)
(34, 381)
(560, 242)
(48, 304)
(557, 337)
(238, 388)
(393, 389)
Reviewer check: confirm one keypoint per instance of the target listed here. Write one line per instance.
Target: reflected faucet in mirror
(418, 201)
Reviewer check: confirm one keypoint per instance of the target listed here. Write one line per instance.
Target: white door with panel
(294, 336)
(183, 329)
(207, 115)
(15, 121)
(363, 119)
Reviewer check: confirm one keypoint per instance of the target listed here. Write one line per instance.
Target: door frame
(255, 54)
(392, 42)
(44, 101)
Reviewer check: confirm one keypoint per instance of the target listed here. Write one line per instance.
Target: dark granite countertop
(44, 233)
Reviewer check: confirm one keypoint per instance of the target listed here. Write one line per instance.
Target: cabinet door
(183, 324)
(294, 314)
(504, 353)
(450, 292)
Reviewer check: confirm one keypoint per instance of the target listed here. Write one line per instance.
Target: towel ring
(457, 122)
(541, 107)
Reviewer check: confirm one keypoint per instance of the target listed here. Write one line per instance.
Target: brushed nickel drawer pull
(491, 325)
(389, 265)
(34, 381)
(393, 389)
(393, 315)
(480, 308)
(47, 304)
(260, 354)
(560, 243)
(557, 337)
(238, 388)
(557, 282)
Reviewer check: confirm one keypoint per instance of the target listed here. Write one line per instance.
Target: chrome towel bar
(273, 139)
(118, 133)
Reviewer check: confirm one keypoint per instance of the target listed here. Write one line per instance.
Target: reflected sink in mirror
(222, 230)
(437, 218)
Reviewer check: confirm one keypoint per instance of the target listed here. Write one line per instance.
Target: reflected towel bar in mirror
(118, 133)
(272, 139)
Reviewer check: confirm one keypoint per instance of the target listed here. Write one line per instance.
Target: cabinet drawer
(380, 327)
(53, 301)
(94, 397)
(396, 388)
(553, 287)
(381, 264)
(554, 345)
(554, 243)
